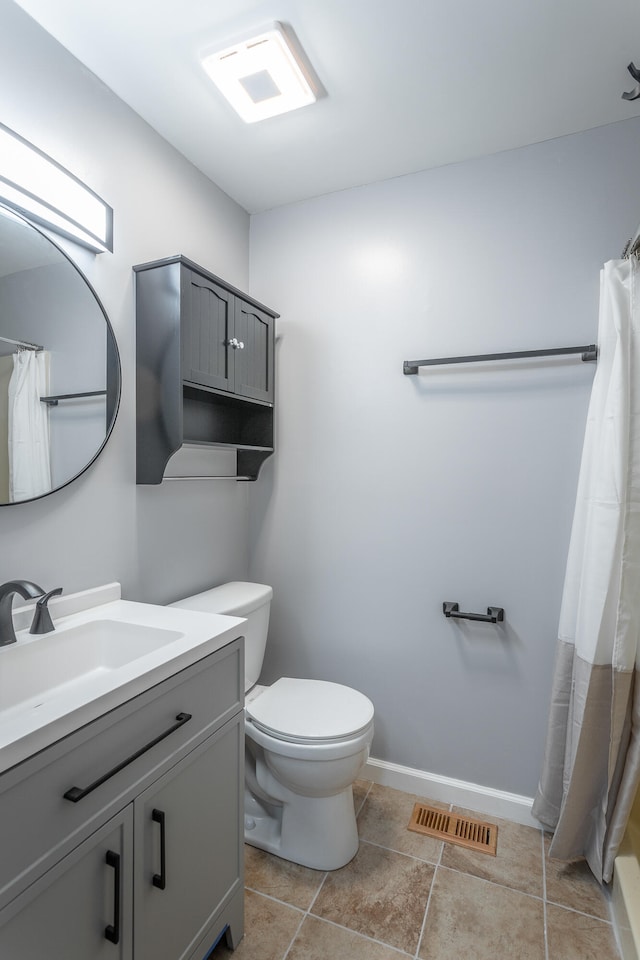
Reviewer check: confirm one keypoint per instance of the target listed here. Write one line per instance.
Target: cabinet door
(254, 360)
(81, 908)
(206, 332)
(189, 849)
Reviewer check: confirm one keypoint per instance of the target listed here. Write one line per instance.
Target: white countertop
(37, 722)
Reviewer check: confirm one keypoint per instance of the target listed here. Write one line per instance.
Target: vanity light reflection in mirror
(59, 365)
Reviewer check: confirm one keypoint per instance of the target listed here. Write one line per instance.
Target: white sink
(102, 652)
(39, 666)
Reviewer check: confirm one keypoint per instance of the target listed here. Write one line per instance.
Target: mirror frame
(114, 366)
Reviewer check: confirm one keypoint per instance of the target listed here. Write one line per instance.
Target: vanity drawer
(110, 761)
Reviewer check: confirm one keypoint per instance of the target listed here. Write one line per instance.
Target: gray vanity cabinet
(188, 852)
(148, 863)
(67, 914)
(205, 368)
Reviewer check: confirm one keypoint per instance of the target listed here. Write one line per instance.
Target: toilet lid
(307, 710)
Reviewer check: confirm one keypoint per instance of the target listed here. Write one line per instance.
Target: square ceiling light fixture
(37, 186)
(262, 76)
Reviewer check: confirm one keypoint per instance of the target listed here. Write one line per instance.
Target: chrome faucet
(28, 591)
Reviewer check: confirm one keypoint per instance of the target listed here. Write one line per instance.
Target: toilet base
(316, 832)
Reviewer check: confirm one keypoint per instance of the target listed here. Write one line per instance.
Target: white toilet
(306, 742)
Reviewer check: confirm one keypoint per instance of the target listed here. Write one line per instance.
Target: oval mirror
(59, 366)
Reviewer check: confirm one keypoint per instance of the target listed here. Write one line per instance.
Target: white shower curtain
(29, 457)
(592, 761)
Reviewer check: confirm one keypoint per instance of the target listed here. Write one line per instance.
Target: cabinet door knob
(235, 343)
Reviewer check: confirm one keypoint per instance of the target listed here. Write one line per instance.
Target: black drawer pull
(160, 879)
(112, 932)
(78, 793)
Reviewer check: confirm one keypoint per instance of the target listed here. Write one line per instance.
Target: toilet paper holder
(493, 614)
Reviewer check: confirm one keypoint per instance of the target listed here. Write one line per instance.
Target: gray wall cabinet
(148, 863)
(205, 368)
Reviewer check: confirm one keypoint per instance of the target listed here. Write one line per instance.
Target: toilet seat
(310, 711)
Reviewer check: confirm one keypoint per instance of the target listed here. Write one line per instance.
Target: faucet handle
(42, 622)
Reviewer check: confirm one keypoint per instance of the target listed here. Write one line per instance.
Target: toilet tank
(239, 599)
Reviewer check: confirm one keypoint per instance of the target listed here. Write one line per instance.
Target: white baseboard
(472, 796)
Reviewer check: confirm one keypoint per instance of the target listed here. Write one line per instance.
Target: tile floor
(408, 895)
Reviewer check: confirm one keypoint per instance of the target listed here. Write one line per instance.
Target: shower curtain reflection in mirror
(28, 432)
(25, 469)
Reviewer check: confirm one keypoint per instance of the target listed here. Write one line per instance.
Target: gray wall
(391, 494)
(160, 542)
(387, 495)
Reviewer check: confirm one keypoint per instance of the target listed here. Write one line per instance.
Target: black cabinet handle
(160, 879)
(78, 793)
(112, 932)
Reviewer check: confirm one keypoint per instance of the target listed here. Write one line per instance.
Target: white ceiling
(410, 84)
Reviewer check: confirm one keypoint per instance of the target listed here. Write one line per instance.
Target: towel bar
(53, 401)
(195, 476)
(589, 352)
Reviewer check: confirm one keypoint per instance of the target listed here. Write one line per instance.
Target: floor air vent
(466, 832)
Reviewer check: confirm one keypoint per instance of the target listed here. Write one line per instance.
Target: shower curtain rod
(589, 352)
(22, 343)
